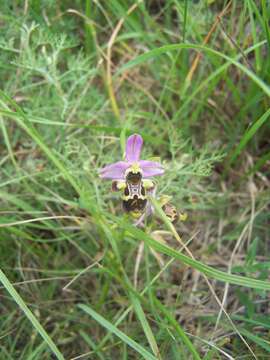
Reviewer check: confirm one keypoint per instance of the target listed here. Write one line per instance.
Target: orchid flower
(117, 170)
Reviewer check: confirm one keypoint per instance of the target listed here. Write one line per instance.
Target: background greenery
(78, 77)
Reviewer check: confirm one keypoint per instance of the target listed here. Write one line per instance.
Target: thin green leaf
(214, 74)
(36, 324)
(185, 20)
(248, 135)
(261, 162)
(257, 339)
(92, 344)
(36, 354)
(265, 23)
(96, 128)
(90, 34)
(145, 325)
(113, 329)
(178, 329)
(254, 33)
(168, 48)
(256, 320)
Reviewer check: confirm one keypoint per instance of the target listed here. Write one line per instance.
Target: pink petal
(133, 148)
(151, 168)
(115, 171)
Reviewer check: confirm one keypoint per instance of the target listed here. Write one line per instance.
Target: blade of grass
(97, 128)
(264, 158)
(91, 344)
(111, 328)
(254, 34)
(145, 325)
(36, 354)
(28, 313)
(211, 77)
(90, 34)
(256, 321)
(248, 135)
(171, 320)
(7, 141)
(168, 48)
(257, 339)
(266, 22)
(185, 20)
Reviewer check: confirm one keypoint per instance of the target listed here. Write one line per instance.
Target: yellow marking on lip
(135, 214)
